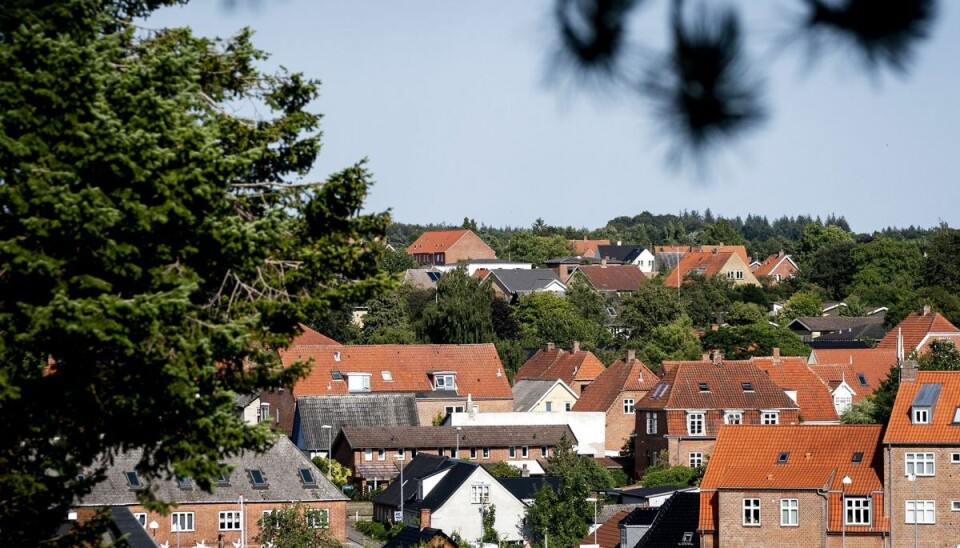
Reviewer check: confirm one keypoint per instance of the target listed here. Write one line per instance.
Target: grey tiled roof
(526, 488)
(833, 323)
(429, 437)
(243, 400)
(354, 410)
(280, 466)
(525, 281)
(527, 392)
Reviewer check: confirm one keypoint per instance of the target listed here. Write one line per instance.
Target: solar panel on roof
(434, 276)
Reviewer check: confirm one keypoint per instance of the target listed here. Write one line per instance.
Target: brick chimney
(424, 518)
(551, 346)
(908, 371)
(631, 355)
(603, 262)
(524, 471)
(926, 310)
(716, 357)
(776, 353)
(576, 347)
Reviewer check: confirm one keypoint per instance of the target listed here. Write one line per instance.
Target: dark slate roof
(421, 467)
(650, 491)
(526, 488)
(243, 400)
(527, 392)
(525, 281)
(280, 465)
(640, 516)
(414, 536)
(127, 526)
(354, 410)
(679, 515)
(446, 436)
(574, 260)
(833, 323)
(624, 253)
(868, 331)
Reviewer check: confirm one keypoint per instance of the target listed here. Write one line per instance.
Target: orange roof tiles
(478, 369)
(813, 395)
(738, 249)
(679, 388)
(847, 365)
(559, 364)
(587, 248)
(942, 429)
(705, 263)
(772, 262)
(915, 329)
(435, 241)
(620, 377)
(309, 336)
(817, 457)
(612, 277)
(608, 534)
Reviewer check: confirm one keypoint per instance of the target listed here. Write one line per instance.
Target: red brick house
(851, 374)
(576, 368)
(918, 331)
(685, 410)
(922, 459)
(726, 264)
(442, 247)
(444, 377)
(802, 385)
(775, 268)
(796, 486)
(610, 279)
(616, 392)
(257, 485)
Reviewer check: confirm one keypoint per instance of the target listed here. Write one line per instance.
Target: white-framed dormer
(444, 380)
(358, 382)
(843, 397)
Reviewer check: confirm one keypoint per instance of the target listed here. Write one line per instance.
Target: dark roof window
(183, 482)
(337, 376)
(862, 378)
(704, 387)
(256, 477)
(307, 476)
(747, 386)
(133, 480)
(857, 457)
(224, 479)
(783, 457)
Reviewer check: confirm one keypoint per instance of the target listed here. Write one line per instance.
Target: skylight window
(862, 378)
(956, 415)
(704, 387)
(307, 476)
(224, 479)
(183, 482)
(387, 376)
(256, 477)
(337, 376)
(783, 457)
(133, 480)
(857, 457)
(747, 386)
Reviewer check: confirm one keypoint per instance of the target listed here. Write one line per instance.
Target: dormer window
(183, 482)
(956, 416)
(444, 381)
(358, 382)
(921, 415)
(921, 410)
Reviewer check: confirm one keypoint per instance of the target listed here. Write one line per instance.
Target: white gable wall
(460, 515)
(589, 427)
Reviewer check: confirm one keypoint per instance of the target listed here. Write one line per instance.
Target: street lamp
(843, 510)
(916, 527)
(401, 488)
(456, 453)
(595, 527)
(329, 429)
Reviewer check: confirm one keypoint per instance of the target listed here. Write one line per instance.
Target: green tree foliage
(488, 521)
(461, 314)
(885, 395)
(673, 341)
(817, 236)
(943, 356)
(535, 249)
(589, 302)
(801, 304)
(505, 324)
(939, 299)
(861, 412)
(887, 270)
(651, 305)
(153, 252)
(746, 341)
(564, 462)
(512, 354)
(561, 516)
(658, 475)
(740, 313)
(705, 300)
(291, 527)
(396, 261)
(722, 233)
(942, 265)
(338, 473)
(503, 469)
(545, 317)
(831, 268)
(386, 321)
(855, 307)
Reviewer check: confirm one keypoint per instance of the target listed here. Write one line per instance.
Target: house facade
(918, 330)
(922, 458)
(728, 265)
(576, 368)
(686, 409)
(543, 396)
(775, 268)
(442, 247)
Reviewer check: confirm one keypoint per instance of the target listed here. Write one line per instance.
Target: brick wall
(470, 246)
(427, 409)
(943, 487)
(620, 425)
(207, 526)
(282, 408)
(809, 532)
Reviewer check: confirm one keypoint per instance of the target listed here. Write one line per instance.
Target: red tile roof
(560, 364)
(704, 263)
(915, 329)
(942, 429)
(680, 388)
(309, 336)
(620, 377)
(738, 249)
(608, 535)
(436, 241)
(587, 248)
(770, 264)
(817, 457)
(813, 395)
(478, 369)
(612, 277)
(835, 365)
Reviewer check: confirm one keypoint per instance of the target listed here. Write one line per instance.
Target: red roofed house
(440, 247)
(577, 368)
(851, 373)
(922, 444)
(608, 278)
(616, 392)
(740, 250)
(802, 386)
(607, 534)
(795, 486)
(776, 268)
(443, 377)
(726, 264)
(587, 248)
(684, 412)
(919, 330)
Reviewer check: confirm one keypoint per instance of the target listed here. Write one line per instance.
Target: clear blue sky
(451, 103)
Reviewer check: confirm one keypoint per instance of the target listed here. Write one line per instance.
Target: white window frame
(695, 459)
(842, 402)
(770, 417)
(446, 381)
(480, 493)
(358, 382)
(473, 453)
(568, 406)
(513, 452)
(954, 458)
(525, 452)
(544, 451)
(229, 520)
(920, 464)
(401, 454)
(486, 452)
(955, 505)
(628, 406)
(857, 508)
(313, 513)
(733, 417)
(548, 406)
(696, 419)
(381, 454)
(141, 518)
(651, 423)
(789, 512)
(926, 510)
(921, 415)
(368, 454)
(751, 512)
(185, 518)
